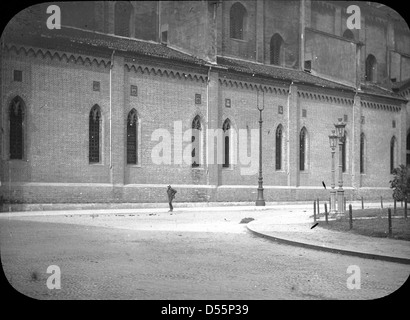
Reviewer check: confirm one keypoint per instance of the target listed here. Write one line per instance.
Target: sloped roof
(277, 72)
(89, 42)
(401, 85)
(371, 88)
(83, 41)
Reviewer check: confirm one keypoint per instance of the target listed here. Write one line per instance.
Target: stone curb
(329, 249)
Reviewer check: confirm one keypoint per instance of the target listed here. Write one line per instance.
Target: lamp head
(260, 108)
(333, 139)
(340, 128)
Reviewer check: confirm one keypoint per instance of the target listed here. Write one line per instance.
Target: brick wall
(282, 17)
(331, 56)
(323, 17)
(58, 101)
(376, 45)
(191, 26)
(245, 48)
(165, 102)
(59, 95)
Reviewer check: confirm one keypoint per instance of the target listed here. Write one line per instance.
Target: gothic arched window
(94, 135)
(237, 21)
(302, 149)
(392, 154)
(371, 68)
(16, 118)
(226, 130)
(196, 136)
(276, 43)
(278, 149)
(362, 152)
(132, 137)
(344, 153)
(348, 34)
(123, 10)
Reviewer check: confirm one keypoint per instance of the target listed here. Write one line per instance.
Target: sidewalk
(301, 234)
(288, 223)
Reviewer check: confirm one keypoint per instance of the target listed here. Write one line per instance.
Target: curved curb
(332, 250)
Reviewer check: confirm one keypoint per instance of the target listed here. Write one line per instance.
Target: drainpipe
(111, 65)
(207, 122)
(288, 133)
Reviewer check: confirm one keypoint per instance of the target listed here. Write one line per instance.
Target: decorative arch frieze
(380, 106)
(253, 86)
(405, 93)
(324, 98)
(57, 55)
(160, 71)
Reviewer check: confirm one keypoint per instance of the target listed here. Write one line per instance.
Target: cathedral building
(112, 101)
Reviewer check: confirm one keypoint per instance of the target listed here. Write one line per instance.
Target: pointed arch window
(276, 43)
(237, 21)
(16, 118)
(94, 135)
(122, 18)
(132, 137)
(278, 148)
(392, 154)
(408, 149)
(344, 153)
(302, 149)
(196, 138)
(226, 145)
(371, 68)
(348, 34)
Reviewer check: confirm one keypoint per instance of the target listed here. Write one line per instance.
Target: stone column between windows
(118, 122)
(355, 142)
(292, 134)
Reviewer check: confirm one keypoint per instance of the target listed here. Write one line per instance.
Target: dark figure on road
(171, 195)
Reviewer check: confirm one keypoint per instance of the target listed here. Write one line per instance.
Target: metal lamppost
(260, 201)
(340, 130)
(333, 143)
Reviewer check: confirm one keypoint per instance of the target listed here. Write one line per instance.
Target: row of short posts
(316, 204)
(388, 214)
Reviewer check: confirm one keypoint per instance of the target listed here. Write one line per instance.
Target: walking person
(171, 195)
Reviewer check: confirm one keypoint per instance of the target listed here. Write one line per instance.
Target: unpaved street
(180, 256)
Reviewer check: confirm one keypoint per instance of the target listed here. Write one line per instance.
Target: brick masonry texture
(58, 94)
(59, 98)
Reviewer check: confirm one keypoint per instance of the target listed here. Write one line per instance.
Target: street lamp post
(260, 201)
(340, 129)
(333, 143)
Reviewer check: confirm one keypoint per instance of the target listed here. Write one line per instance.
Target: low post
(362, 203)
(389, 216)
(405, 208)
(381, 201)
(326, 212)
(350, 217)
(394, 208)
(344, 204)
(318, 211)
(314, 211)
